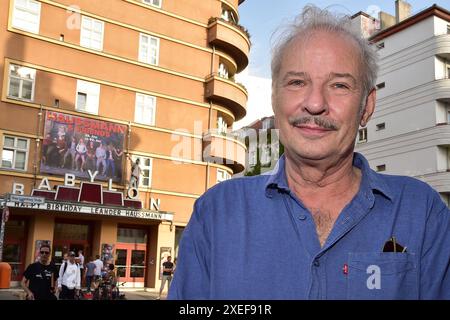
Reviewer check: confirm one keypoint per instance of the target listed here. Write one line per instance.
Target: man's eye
(340, 86)
(296, 83)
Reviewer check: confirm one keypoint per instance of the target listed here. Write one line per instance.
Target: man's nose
(315, 102)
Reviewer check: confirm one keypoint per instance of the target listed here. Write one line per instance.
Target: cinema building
(86, 91)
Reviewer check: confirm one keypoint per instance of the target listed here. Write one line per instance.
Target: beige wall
(166, 238)
(145, 18)
(41, 228)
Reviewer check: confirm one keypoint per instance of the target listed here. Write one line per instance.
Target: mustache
(317, 120)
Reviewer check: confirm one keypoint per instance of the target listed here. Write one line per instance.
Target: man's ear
(369, 107)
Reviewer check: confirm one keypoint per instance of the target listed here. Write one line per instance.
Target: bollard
(5, 275)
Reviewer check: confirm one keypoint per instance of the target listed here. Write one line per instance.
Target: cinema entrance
(131, 253)
(71, 236)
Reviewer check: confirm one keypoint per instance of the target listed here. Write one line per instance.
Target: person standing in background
(167, 275)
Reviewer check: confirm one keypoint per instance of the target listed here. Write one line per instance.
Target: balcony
(440, 181)
(232, 38)
(438, 135)
(441, 46)
(228, 94)
(224, 150)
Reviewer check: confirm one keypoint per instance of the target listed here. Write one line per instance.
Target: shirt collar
(371, 180)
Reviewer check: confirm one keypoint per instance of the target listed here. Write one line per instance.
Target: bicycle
(117, 295)
(105, 290)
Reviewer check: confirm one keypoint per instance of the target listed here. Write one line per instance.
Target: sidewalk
(130, 294)
(11, 294)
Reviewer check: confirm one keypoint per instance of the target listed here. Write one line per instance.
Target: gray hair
(313, 18)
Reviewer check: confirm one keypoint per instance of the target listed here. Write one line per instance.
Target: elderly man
(322, 225)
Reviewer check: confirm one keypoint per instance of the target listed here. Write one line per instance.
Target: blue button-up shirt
(252, 238)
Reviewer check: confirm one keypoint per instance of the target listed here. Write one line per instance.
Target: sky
(263, 17)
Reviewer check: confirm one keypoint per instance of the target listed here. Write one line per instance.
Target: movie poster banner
(74, 144)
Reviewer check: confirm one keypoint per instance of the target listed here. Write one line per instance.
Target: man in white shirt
(69, 278)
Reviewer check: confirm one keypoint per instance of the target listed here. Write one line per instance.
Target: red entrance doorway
(71, 236)
(131, 253)
(130, 262)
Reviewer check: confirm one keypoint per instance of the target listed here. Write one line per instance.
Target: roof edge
(363, 14)
(434, 10)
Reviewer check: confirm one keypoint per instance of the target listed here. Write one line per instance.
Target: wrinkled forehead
(318, 44)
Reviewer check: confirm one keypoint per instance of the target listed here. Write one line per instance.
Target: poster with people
(74, 144)
(165, 252)
(107, 253)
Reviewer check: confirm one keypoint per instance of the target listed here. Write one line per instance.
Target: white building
(409, 133)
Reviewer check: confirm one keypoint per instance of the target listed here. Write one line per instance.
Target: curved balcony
(442, 45)
(433, 90)
(438, 135)
(440, 181)
(224, 150)
(231, 39)
(228, 94)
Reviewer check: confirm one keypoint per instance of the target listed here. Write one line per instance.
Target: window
(148, 49)
(381, 126)
(223, 71)
(222, 175)
(228, 15)
(26, 15)
(362, 135)
(91, 33)
(221, 126)
(448, 114)
(21, 82)
(129, 235)
(155, 3)
(146, 167)
(448, 29)
(15, 153)
(380, 45)
(88, 96)
(381, 167)
(145, 109)
(381, 85)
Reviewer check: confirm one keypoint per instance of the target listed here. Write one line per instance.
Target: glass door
(130, 262)
(121, 263)
(71, 236)
(60, 247)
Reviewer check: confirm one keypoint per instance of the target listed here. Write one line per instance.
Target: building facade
(409, 133)
(263, 146)
(85, 92)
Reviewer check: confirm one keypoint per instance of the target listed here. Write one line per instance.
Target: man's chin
(309, 154)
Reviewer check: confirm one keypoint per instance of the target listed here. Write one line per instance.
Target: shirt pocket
(384, 275)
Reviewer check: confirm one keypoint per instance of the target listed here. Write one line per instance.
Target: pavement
(130, 294)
